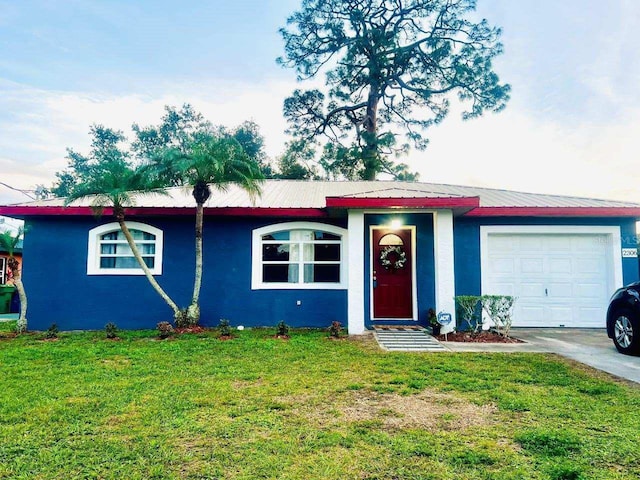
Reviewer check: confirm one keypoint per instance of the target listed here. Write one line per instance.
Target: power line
(24, 192)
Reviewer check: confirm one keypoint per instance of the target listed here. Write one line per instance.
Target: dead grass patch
(428, 409)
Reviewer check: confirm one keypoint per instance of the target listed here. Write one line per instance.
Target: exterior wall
(425, 264)
(60, 291)
(467, 245)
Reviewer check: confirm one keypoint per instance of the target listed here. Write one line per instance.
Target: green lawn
(195, 407)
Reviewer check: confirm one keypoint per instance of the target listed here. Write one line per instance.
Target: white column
(445, 272)
(355, 260)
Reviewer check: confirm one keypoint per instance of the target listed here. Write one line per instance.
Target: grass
(195, 407)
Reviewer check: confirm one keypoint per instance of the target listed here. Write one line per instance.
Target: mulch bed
(196, 329)
(480, 337)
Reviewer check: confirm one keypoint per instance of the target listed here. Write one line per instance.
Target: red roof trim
(423, 202)
(24, 211)
(554, 212)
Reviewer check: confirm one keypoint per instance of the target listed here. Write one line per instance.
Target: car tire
(625, 328)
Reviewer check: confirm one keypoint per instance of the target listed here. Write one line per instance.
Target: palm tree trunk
(193, 312)
(156, 286)
(17, 281)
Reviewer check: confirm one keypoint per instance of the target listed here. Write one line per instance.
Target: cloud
(42, 124)
(517, 151)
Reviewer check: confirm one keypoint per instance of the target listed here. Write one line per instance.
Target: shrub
(111, 330)
(335, 329)
(165, 329)
(224, 328)
(432, 317)
(52, 332)
(282, 329)
(499, 308)
(467, 311)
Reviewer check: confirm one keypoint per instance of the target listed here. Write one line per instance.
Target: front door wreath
(393, 257)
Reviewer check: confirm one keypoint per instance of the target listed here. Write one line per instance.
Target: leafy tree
(249, 137)
(178, 129)
(9, 242)
(110, 180)
(218, 161)
(293, 164)
(104, 143)
(390, 65)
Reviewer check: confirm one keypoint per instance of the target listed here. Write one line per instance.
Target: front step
(407, 340)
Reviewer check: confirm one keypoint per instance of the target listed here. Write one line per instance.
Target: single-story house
(312, 252)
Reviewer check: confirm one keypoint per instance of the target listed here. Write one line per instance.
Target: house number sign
(629, 253)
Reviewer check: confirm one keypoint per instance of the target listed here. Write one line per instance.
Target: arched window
(299, 255)
(109, 252)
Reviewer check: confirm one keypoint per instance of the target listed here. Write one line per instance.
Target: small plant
(52, 332)
(499, 308)
(282, 329)
(165, 329)
(335, 329)
(224, 328)
(433, 321)
(469, 313)
(111, 330)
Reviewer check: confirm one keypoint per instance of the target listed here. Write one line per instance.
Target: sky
(572, 125)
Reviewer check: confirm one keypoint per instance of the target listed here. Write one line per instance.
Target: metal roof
(313, 194)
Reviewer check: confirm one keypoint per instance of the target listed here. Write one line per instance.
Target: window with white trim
(109, 252)
(299, 255)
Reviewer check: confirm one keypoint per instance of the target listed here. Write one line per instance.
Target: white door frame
(414, 283)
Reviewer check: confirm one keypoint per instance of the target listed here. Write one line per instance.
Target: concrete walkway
(586, 345)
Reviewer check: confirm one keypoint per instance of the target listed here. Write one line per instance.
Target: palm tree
(9, 242)
(112, 182)
(216, 161)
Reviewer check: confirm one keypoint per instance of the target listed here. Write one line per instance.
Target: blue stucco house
(308, 253)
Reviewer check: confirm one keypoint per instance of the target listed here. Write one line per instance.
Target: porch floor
(406, 339)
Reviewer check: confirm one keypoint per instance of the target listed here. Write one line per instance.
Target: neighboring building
(5, 275)
(310, 253)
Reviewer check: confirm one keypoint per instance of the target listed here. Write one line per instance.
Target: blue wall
(425, 261)
(466, 232)
(60, 291)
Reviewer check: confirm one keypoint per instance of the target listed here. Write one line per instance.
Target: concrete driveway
(586, 345)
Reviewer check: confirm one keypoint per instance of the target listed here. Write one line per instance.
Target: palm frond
(9, 241)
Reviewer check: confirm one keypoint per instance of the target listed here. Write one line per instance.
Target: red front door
(392, 265)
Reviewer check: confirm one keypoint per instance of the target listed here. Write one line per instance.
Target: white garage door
(560, 280)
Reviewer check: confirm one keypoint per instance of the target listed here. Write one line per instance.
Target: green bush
(224, 328)
(52, 331)
(468, 312)
(335, 329)
(499, 309)
(111, 330)
(282, 329)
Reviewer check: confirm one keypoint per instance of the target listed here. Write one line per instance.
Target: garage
(561, 276)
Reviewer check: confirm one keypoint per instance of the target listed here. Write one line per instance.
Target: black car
(623, 319)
